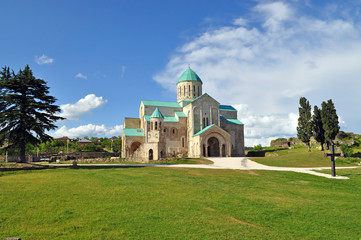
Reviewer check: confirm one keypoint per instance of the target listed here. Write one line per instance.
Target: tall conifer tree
(317, 126)
(329, 121)
(304, 128)
(26, 109)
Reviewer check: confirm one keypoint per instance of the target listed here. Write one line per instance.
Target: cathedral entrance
(134, 147)
(213, 147)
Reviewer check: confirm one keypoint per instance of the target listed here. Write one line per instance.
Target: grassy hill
(301, 157)
(166, 203)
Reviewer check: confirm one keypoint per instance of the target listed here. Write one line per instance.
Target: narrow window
(151, 126)
(160, 125)
(189, 90)
(198, 91)
(204, 122)
(184, 90)
(207, 122)
(156, 126)
(183, 142)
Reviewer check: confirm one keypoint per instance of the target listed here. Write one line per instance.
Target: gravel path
(243, 163)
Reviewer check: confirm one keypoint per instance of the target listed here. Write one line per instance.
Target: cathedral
(195, 126)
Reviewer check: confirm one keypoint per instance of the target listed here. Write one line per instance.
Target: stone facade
(194, 126)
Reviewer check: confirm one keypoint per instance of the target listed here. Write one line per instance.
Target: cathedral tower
(189, 86)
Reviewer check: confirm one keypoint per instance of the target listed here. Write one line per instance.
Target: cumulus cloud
(43, 59)
(83, 106)
(80, 75)
(280, 55)
(88, 130)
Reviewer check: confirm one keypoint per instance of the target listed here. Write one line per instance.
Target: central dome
(189, 75)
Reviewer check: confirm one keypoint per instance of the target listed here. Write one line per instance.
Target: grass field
(166, 203)
(298, 157)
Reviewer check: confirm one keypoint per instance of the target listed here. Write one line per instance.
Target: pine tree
(317, 126)
(329, 121)
(304, 128)
(26, 109)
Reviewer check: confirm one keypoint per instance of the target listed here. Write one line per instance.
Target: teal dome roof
(157, 114)
(189, 75)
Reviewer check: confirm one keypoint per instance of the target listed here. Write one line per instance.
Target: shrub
(346, 150)
(257, 148)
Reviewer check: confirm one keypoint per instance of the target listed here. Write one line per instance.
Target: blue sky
(101, 58)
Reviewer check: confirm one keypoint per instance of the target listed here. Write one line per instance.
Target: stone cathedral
(196, 126)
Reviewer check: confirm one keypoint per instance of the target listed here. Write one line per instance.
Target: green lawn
(166, 203)
(298, 157)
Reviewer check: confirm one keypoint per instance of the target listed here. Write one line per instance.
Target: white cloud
(83, 106)
(269, 65)
(90, 130)
(43, 59)
(80, 75)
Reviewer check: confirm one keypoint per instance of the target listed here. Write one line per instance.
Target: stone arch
(134, 146)
(221, 141)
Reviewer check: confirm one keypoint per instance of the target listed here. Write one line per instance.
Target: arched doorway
(213, 147)
(134, 147)
(150, 154)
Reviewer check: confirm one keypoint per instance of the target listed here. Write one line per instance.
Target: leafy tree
(329, 121)
(26, 109)
(317, 126)
(304, 128)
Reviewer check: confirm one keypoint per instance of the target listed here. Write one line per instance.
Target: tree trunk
(22, 153)
(309, 147)
(322, 149)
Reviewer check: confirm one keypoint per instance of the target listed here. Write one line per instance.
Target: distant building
(84, 142)
(196, 125)
(62, 139)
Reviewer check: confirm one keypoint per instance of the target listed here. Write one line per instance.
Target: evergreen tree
(317, 126)
(26, 109)
(329, 121)
(304, 128)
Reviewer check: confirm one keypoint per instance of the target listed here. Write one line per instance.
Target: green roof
(189, 75)
(180, 114)
(166, 119)
(157, 114)
(231, 121)
(134, 132)
(226, 108)
(204, 129)
(161, 104)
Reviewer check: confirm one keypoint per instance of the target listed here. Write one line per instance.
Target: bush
(346, 150)
(257, 148)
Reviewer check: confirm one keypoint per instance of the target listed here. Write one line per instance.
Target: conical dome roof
(157, 114)
(189, 75)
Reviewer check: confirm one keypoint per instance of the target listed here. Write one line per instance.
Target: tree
(329, 121)
(304, 128)
(317, 126)
(27, 110)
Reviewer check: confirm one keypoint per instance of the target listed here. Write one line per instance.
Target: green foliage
(304, 128)
(329, 121)
(27, 111)
(346, 150)
(317, 126)
(257, 148)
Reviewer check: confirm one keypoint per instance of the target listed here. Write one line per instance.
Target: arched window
(194, 91)
(156, 126)
(189, 90)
